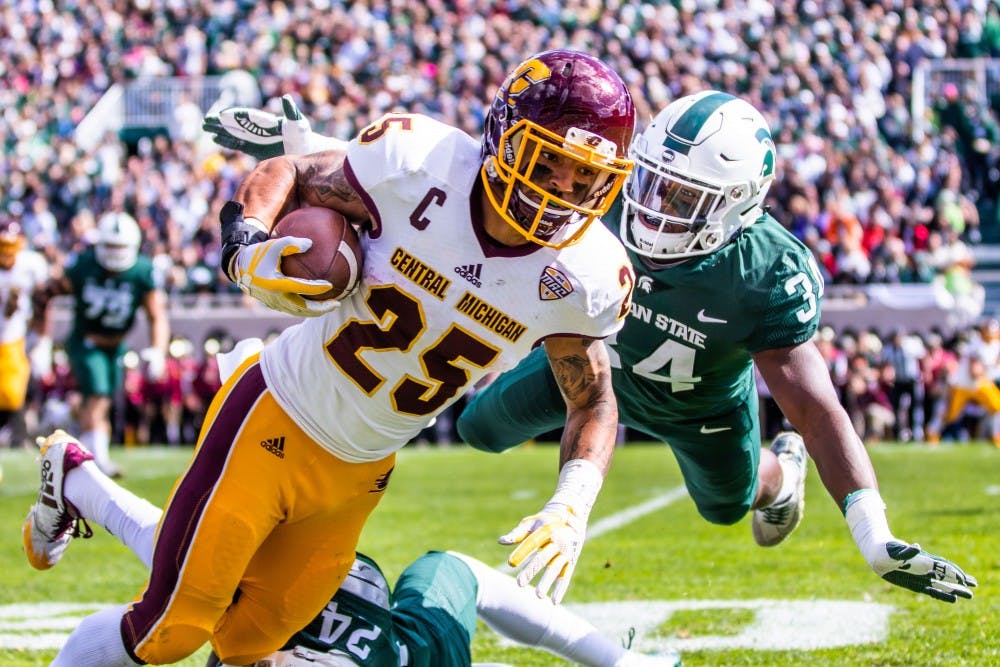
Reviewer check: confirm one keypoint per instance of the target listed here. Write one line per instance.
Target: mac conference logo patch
(553, 284)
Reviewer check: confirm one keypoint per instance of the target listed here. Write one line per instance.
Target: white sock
(789, 481)
(128, 517)
(96, 642)
(516, 612)
(97, 442)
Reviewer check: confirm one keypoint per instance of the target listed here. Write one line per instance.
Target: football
(335, 254)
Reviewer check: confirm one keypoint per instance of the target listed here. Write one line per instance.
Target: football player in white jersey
(22, 273)
(300, 442)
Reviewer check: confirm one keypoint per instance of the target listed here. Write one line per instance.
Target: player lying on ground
(429, 619)
(720, 286)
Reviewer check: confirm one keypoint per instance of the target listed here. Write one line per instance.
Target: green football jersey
(104, 302)
(357, 622)
(684, 352)
(427, 622)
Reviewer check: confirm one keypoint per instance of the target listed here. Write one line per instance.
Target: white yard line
(626, 516)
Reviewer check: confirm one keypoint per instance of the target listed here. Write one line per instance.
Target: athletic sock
(128, 517)
(789, 481)
(96, 641)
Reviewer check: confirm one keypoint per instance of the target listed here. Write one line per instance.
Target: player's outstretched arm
(518, 614)
(549, 542)
(264, 135)
(800, 383)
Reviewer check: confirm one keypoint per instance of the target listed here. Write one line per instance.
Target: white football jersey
(440, 304)
(17, 284)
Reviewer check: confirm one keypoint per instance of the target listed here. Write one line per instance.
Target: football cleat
(52, 521)
(774, 523)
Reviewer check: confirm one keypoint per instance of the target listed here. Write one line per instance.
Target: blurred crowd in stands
(833, 79)
(908, 387)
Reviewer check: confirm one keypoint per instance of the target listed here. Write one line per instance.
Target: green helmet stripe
(683, 133)
(764, 137)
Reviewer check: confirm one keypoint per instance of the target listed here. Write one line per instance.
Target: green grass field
(650, 561)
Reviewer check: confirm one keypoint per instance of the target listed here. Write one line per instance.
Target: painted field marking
(42, 625)
(624, 517)
(777, 625)
(993, 490)
(627, 516)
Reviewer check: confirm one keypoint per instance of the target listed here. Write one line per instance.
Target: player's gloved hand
(899, 563)
(259, 133)
(40, 357)
(256, 269)
(156, 363)
(550, 541)
(909, 566)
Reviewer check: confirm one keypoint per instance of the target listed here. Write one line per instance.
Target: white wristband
(579, 483)
(865, 514)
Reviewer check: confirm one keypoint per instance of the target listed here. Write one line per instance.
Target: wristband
(579, 483)
(865, 514)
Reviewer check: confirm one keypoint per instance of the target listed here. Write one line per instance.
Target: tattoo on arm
(574, 375)
(577, 375)
(325, 183)
(584, 377)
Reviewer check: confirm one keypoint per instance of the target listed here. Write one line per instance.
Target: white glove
(263, 135)
(256, 269)
(899, 563)
(156, 363)
(551, 540)
(40, 357)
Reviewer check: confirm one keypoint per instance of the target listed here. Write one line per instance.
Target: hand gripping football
(335, 255)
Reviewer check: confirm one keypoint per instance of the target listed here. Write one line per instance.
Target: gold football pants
(14, 374)
(256, 536)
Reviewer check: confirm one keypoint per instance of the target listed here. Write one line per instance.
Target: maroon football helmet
(559, 112)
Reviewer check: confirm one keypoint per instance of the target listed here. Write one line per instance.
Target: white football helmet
(118, 241)
(702, 169)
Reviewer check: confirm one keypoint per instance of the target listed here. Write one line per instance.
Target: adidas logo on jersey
(471, 272)
(275, 445)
